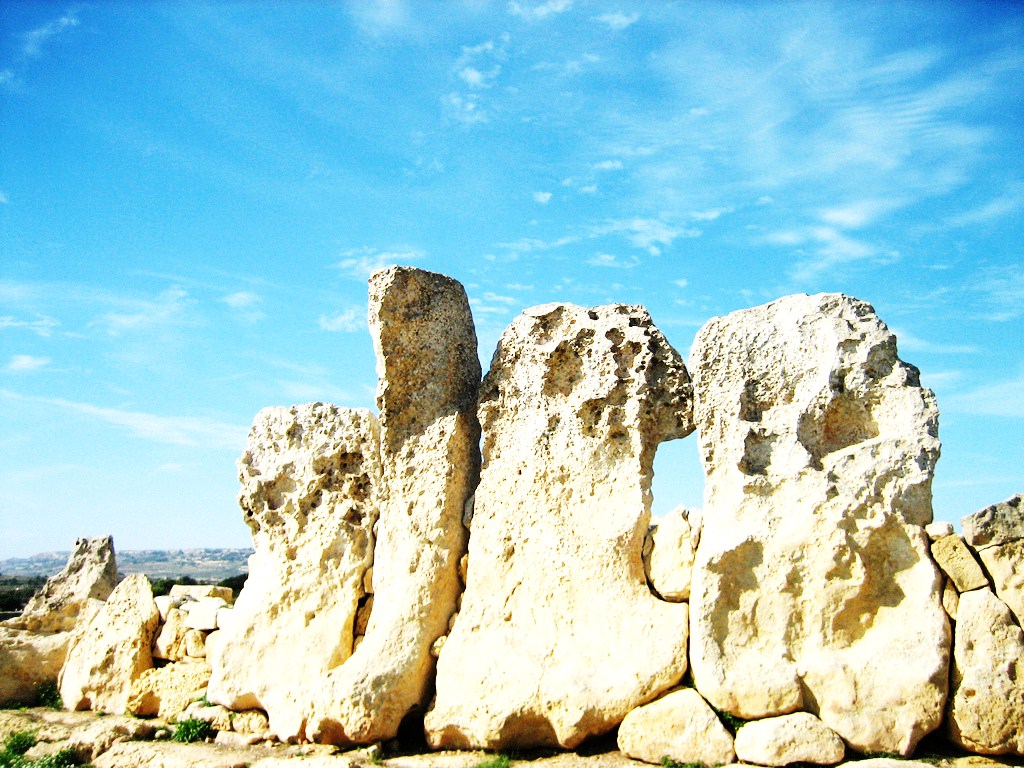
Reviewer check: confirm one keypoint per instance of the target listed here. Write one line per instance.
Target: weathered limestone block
(813, 583)
(200, 591)
(90, 573)
(668, 554)
(1005, 564)
(93, 741)
(950, 599)
(111, 650)
(957, 562)
(681, 726)
(996, 524)
(251, 721)
(169, 643)
(559, 636)
(195, 644)
(796, 738)
(27, 660)
(166, 692)
(202, 613)
(310, 477)
(428, 376)
(938, 529)
(986, 711)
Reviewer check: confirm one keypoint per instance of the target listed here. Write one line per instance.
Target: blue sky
(192, 197)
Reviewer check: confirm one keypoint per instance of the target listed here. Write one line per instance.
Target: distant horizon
(192, 196)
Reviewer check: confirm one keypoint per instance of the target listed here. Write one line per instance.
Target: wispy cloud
(1002, 289)
(493, 304)
(3, 195)
(245, 305)
(650, 234)
(347, 321)
(997, 208)
(710, 215)
(608, 165)
(908, 342)
(23, 363)
(379, 17)
(476, 70)
(539, 11)
(170, 430)
(42, 326)
(1004, 399)
(169, 308)
(542, 197)
(612, 261)
(618, 20)
(34, 40)
(360, 263)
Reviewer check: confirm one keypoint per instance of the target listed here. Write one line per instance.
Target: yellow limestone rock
(558, 635)
(111, 649)
(957, 562)
(680, 726)
(167, 691)
(986, 709)
(310, 475)
(813, 583)
(428, 376)
(796, 738)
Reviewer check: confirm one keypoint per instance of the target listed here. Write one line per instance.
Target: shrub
(192, 729)
(48, 695)
(498, 761)
(19, 742)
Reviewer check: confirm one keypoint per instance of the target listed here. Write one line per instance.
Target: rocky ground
(115, 741)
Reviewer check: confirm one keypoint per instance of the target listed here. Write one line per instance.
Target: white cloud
(618, 20)
(349, 320)
(170, 430)
(3, 198)
(996, 208)
(542, 197)
(608, 165)
(464, 108)
(493, 304)
(43, 326)
(1003, 399)
(241, 299)
(649, 234)
(168, 308)
(539, 11)
(360, 263)
(1003, 292)
(859, 214)
(22, 363)
(681, 282)
(908, 342)
(379, 17)
(590, 189)
(37, 38)
(709, 215)
(612, 261)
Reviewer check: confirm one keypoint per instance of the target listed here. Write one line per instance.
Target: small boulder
(996, 524)
(1005, 564)
(668, 559)
(199, 591)
(681, 726)
(27, 660)
(957, 562)
(169, 643)
(796, 738)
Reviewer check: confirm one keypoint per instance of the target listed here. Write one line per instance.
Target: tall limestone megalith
(90, 574)
(310, 476)
(559, 636)
(428, 377)
(813, 587)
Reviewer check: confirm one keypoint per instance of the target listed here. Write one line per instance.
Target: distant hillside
(200, 564)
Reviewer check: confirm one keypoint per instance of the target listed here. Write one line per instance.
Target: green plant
(192, 729)
(668, 762)
(19, 742)
(48, 695)
(63, 759)
(498, 761)
(730, 721)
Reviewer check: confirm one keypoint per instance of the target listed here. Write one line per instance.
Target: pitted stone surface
(90, 574)
(310, 477)
(559, 636)
(668, 554)
(957, 562)
(428, 377)
(996, 524)
(813, 572)
(986, 709)
(681, 726)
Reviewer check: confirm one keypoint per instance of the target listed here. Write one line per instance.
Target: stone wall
(524, 597)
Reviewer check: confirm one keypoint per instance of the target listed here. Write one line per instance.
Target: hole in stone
(678, 477)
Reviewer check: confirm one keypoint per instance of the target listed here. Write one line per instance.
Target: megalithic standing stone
(428, 377)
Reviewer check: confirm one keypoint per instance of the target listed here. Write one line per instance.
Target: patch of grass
(192, 729)
(20, 742)
(731, 722)
(498, 761)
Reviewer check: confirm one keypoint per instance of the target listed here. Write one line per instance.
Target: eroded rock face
(110, 648)
(27, 660)
(558, 635)
(166, 692)
(669, 552)
(996, 524)
(310, 477)
(428, 377)
(90, 574)
(813, 585)
(986, 711)
(957, 562)
(681, 726)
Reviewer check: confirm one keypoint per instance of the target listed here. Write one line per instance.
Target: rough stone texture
(938, 530)
(252, 721)
(679, 725)
(101, 735)
(166, 692)
(668, 560)
(813, 584)
(91, 573)
(169, 643)
(986, 711)
(200, 591)
(1005, 564)
(796, 738)
(428, 376)
(957, 562)
(310, 477)
(558, 635)
(996, 524)
(27, 660)
(111, 649)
